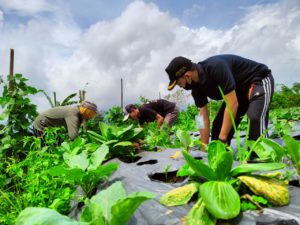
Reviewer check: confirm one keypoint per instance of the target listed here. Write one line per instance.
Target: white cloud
(139, 44)
(1, 18)
(26, 8)
(195, 11)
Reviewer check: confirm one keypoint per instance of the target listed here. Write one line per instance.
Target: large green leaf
(293, 149)
(199, 167)
(74, 174)
(109, 197)
(221, 199)
(123, 144)
(110, 142)
(184, 138)
(106, 170)
(43, 216)
(214, 149)
(275, 193)
(199, 215)
(112, 133)
(278, 149)
(95, 136)
(267, 148)
(129, 135)
(76, 145)
(4, 114)
(179, 196)
(185, 171)
(76, 161)
(103, 129)
(123, 209)
(122, 131)
(92, 214)
(98, 156)
(223, 165)
(254, 167)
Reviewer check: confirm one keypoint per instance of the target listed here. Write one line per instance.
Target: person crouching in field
(70, 117)
(158, 110)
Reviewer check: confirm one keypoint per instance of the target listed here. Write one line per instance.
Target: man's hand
(159, 120)
(203, 147)
(204, 132)
(230, 110)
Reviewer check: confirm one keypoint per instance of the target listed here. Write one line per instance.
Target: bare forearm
(204, 133)
(231, 108)
(227, 122)
(159, 122)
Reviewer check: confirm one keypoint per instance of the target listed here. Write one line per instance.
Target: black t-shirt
(230, 72)
(148, 111)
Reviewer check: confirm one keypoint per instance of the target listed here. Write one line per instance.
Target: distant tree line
(285, 97)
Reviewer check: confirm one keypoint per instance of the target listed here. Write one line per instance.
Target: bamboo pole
(122, 93)
(11, 72)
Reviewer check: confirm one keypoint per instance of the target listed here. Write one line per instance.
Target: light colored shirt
(67, 116)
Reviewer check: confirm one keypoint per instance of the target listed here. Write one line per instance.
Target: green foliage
(18, 113)
(34, 215)
(110, 206)
(186, 119)
(84, 169)
(118, 139)
(114, 116)
(199, 215)
(286, 97)
(67, 101)
(155, 137)
(247, 205)
(253, 202)
(28, 183)
(293, 151)
(274, 191)
(220, 198)
(179, 196)
(144, 100)
(269, 150)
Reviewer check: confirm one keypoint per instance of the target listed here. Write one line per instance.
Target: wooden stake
(122, 93)
(11, 72)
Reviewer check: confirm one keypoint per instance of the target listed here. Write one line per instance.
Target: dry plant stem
(248, 197)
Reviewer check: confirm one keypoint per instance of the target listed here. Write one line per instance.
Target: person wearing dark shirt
(248, 87)
(69, 116)
(159, 110)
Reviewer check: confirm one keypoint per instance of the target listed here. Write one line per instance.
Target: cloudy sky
(65, 46)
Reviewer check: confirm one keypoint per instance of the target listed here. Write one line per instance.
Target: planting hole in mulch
(130, 159)
(294, 183)
(198, 157)
(297, 137)
(279, 222)
(168, 177)
(233, 221)
(149, 162)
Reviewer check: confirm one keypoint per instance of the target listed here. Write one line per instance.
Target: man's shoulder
(68, 110)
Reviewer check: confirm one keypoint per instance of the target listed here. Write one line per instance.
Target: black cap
(127, 110)
(177, 68)
(129, 107)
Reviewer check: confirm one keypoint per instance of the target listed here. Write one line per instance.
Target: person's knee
(255, 119)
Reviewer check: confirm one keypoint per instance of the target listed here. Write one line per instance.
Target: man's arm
(204, 132)
(72, 126)
(159, 120)
(227, 123)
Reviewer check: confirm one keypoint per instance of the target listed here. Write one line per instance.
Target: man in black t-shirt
(248, 87)
(159, 110)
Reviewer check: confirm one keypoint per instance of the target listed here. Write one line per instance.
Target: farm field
(117, 172)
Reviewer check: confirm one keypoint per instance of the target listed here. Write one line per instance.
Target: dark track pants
(256, 107)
